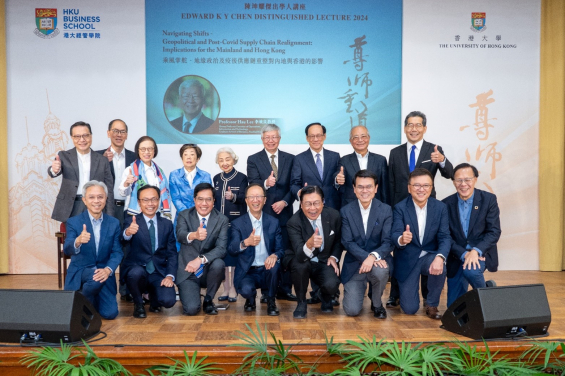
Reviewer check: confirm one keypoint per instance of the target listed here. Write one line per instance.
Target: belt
(256, 267)
(120, 202)
(78, 198)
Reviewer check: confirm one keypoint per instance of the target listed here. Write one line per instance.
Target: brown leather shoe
(433, 313)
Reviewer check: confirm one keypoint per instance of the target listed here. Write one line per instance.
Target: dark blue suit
(304, 170)
(248, 278)
(83, 264)
(164, 258)
(483, 233)
(376, 164)
(408, 265)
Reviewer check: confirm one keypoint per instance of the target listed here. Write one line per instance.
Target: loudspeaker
(500, 312)
(46, 316)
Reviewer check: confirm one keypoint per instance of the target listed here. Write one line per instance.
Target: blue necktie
(319, 166)
(200, 270)
(150, 267)
(315, 227)
(413, 158)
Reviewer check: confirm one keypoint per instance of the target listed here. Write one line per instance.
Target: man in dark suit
(191, 99)
(316, 166)
(474, 224)
(315, 238)
(271, 168)
(365, 234)
(203, 234)
(152, 261)
(78, 166)
(403, 159)
(420, 232)
(93, 243)
(361, 159)
(256, 240)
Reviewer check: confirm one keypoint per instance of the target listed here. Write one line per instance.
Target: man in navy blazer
(93, 243)
(420, 232)
(152, 261)
(256, 241)
(361, 159)
(474, 224)
(316, 166)
(365, 234)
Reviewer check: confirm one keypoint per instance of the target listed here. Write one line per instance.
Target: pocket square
(331, 232)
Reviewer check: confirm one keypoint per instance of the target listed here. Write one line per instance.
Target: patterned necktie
(315, 227)
(200, 270)
(413, 158)
(274, 166)
(150, 267)
(319, 166)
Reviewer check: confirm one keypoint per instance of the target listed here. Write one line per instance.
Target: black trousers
(138, 281)
(322, 274)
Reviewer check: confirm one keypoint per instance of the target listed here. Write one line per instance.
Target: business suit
(376, 163)
(164, 259)
(248, 278)
(99, 170)
(213, 248)
(302, 268)
(201, 125)
(304, 170)
(89, 258)
(359, 245)
(408, 265)
(483, 233)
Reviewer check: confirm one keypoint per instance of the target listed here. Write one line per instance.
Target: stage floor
(171, 328)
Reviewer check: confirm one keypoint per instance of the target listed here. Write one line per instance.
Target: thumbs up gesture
(83, 238)
(199, 234)
(315, 240)
(229, 194)
(108, 154)
(130, 179)
(340, 178)
(436, 156)
(133, 227)
(252, 240)
(271, 180)
(406, 236)
(56, 165)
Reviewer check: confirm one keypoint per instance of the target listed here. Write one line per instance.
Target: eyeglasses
(254, 198)
(363, 137)
(466, 181)
(416, 126)
(99, 197)
(202, 200)
(316, 136)
(117, 131)
(270, 138)
(315, 204)
(150, 150)
(153, 200)
(424, 186)
(194, 97)
(364, 187)
(83, 136)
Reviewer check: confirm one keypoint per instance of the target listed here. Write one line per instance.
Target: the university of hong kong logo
(478, 21)
(46, 21)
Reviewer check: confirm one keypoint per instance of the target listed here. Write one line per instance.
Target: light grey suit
(214, 248)
(99, 170)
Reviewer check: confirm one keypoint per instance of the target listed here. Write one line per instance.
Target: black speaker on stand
(500, 312)
(46, 316)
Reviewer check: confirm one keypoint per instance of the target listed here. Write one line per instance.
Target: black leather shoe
(314, 300)
(127, 298)
(335, 302)
(380, 313)
(272, 308)
(264, 299)
(327, 307)
(287, 296)
(154, 309)
(223, 298)
(490, 283)
(209, 308)
(300, 311)
(393, 303)
(139, 311)
(250, 305)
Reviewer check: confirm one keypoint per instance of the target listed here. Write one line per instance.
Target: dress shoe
(272, 308)
(223, 298)
(300, 311)
(264, 299)
(313, 300)
(433, 313)
(250, 305)
(139, 311)
(156, 309)
(490, 283)
(327, 304)
(335, 302)
(232, 300)
(287, 296)
(393, 302)
(209, 308)
(380, 312)
(127, 298)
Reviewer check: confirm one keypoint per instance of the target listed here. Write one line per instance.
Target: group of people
(241, 229)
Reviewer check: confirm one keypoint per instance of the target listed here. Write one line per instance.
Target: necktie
(413, 158)
(274, 166)
(315, 227)
(203, 222)
(185, 126)
(319, 166)
(150, 267)
(200, 270)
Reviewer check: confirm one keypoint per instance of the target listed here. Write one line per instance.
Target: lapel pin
(476, 207)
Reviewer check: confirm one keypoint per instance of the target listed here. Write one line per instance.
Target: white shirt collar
(276, 154)
(147, 219)
(362, 208)
(362, 157)
(314, 153)
(121, 154)
(253, 219)
(418, 145)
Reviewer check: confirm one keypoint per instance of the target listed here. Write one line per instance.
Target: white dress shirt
(363, 160)
(84, 170)
(276, 162)
(365, 216)
(421, 214)
(190, 175)
(119, 163)
(260, 249)
(200, 221)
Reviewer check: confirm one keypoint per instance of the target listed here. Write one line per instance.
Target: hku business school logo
(46, 21)
(478, 22)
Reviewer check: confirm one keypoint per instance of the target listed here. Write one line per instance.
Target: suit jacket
(259, 169)
(376, 164)
(358, 244)
(130, 157)
(213, 247)
(399, 169)
(165, 258)
(240, 230)
(203, 123)
(300, 230)
(109, 249)
(304, 170)
(99, 170)
(436, 235)
(484, 230)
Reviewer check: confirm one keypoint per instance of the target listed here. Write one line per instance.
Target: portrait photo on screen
(192, 105)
